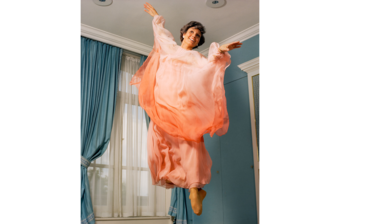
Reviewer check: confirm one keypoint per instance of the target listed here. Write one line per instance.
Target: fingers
(233, 45)
(149, 9)
(148, 6)
(237, 43)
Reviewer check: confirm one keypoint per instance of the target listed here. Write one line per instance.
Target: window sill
(134, 218)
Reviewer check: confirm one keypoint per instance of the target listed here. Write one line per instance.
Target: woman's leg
(196, 197)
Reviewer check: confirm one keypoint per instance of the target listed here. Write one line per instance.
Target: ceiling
(127, 19)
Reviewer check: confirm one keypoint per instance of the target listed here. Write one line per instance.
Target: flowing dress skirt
(185, 163)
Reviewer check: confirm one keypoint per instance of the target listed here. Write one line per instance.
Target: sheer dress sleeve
(163, 39)
(164, 44)
(221, 62)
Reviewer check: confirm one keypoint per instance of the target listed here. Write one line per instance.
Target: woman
(183, 93)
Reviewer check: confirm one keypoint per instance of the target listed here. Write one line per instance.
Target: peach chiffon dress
(183, 93)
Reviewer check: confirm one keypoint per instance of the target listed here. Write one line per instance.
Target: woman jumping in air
(183, 93)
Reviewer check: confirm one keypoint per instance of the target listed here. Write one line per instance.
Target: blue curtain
(100, 67)
(178, 205)
(255, 80)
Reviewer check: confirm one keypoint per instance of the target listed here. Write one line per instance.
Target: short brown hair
(195, 25)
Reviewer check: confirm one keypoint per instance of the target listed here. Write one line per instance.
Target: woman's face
(192, 37)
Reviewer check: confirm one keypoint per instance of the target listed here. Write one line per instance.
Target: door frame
(252, 69)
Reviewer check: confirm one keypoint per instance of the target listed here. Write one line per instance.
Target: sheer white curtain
(120, 180)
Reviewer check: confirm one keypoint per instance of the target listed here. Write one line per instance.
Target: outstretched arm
(230, 46)
(163, 38)
(149, 9)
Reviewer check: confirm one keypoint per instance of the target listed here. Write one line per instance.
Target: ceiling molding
(137, 47)
(241, 36)
(115, 40)
(250, 67)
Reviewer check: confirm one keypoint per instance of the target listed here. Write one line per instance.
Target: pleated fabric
(183, 93)
(100, 67)
(178, 206)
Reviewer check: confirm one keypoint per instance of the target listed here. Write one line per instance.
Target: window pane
(124, 187)
(98, 178)
(104, 159)
(134, 137)
(144, 183)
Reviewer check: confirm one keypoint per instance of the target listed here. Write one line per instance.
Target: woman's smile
(193, 36)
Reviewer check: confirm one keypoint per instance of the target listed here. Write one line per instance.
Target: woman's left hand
(230, 46)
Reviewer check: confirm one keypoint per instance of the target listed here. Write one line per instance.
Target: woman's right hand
(149, 9)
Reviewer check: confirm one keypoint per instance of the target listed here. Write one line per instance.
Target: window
(120, 181)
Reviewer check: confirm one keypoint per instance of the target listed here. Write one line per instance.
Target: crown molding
(241, 36)
(137, 47)
(250, 67)
(115, 40)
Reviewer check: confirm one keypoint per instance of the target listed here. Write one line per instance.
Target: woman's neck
(186, 46)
